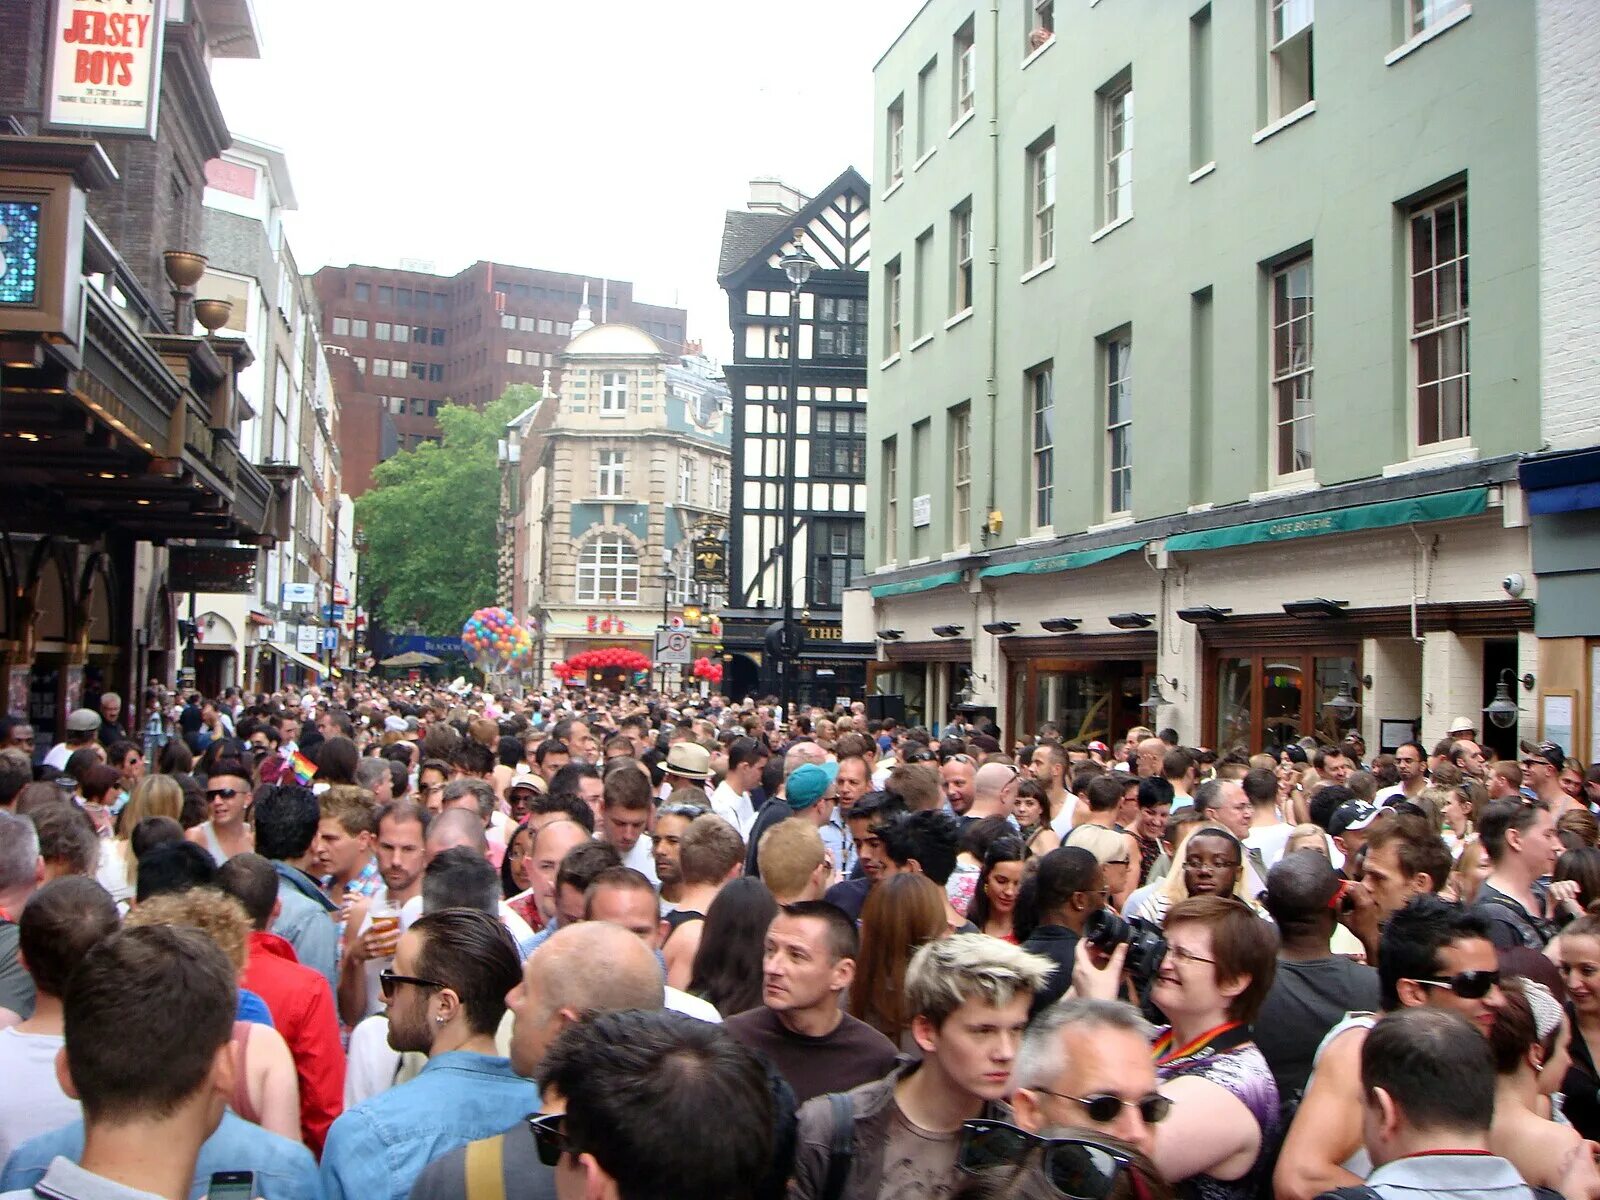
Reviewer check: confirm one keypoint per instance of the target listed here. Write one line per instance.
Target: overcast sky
(603, 138)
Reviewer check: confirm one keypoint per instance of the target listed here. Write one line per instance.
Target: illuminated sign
(105, 65)
(19, 252)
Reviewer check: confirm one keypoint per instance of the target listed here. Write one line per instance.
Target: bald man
(994, 792)
(1148, 758)
(579, 972)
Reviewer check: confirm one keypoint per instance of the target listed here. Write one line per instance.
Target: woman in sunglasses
(1218, 969)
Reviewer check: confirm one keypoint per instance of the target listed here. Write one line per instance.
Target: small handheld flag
(304, 769)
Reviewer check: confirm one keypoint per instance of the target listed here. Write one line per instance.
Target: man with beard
(447, 993)
(371, 929)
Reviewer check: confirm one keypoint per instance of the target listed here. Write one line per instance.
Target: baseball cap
(1462, 725)
(1353, 816)
(394, 725)
(1099, 747)
(83, 720)
(808, 783)
(1548, 750)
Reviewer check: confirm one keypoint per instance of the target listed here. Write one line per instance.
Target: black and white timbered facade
(830, 503)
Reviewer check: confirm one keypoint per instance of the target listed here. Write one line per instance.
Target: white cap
(1462, 725)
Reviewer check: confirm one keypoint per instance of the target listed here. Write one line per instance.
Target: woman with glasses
(1219, 966)
(994, 903)
(516, 882)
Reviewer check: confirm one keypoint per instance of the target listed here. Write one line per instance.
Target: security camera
(1514, 584)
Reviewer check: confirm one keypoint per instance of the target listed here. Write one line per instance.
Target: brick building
(420, 340)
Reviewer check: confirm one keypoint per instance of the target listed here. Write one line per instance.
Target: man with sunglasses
(1086, 1064)
(958, 779)
(446, 993)
(1432, 955)
(1541, 773)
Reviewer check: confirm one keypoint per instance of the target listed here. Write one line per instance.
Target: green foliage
(429, 521)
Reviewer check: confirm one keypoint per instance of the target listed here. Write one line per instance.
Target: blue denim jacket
(284, 1170)
(376, 1150)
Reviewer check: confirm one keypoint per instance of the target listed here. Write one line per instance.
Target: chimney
(775, 196)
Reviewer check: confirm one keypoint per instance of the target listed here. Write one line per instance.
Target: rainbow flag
(304, 769)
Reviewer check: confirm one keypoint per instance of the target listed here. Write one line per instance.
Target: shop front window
(1282, 700)
(910, 683)
(1233, 704)
(1075, 702)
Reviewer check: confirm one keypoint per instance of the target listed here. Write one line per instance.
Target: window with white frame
(1439, 318)
(685, 479)
(507, 321)
(682, 589)
(1290, 77)
(1430, 14)
(891, 309)
(896, 133)
(614, 392)
(925, 110)
(964, 71)
(399, 370)
(1043, 25)
(719, 487)
(891, 499)
(837, 557)
(961, 475)
(380, 367)
(513, 355)
(1042, 201)
(961, 258)
(402, 333)
(1292, 408)
(610, 474)
(1116, 107)
(608, 570)
(341, 327)
(1042, 445)
(1119, 424)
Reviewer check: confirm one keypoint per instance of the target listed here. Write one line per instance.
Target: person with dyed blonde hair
(794, 862)
(969, 997)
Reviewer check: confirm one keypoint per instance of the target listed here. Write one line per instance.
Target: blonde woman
(152, 796)
(266, 1090)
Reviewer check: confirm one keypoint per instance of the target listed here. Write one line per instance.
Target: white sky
(604, 138)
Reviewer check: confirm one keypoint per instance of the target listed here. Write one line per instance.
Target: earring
(438, 1020)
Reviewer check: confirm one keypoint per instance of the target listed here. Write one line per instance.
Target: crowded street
(641, 633)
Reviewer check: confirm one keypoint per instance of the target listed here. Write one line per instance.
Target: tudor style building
(828, 537)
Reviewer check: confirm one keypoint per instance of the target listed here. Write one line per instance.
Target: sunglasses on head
(1469, 985)
(222, 793)
(1077, 1169)
(549, 1135)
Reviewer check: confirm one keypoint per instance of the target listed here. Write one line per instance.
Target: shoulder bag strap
(842, 1146)
(486, 1169)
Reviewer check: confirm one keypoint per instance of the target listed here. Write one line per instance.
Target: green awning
(926, 584)
(1444, 507)
(1059, 562)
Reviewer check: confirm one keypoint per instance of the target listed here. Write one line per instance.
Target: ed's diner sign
(105, 65)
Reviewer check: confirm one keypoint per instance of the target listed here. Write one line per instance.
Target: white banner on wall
(105, 65)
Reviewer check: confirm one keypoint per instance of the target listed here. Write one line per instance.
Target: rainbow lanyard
(1166, 1054)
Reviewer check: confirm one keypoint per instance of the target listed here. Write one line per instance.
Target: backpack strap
(486, 1169)
(841, 1147)
(1359, 1192)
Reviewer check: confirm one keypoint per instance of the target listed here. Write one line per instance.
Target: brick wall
(1569, 203)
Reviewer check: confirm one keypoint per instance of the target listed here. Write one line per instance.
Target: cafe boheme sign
(105, 65)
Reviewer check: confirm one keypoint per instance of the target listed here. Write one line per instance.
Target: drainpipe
(993, 382)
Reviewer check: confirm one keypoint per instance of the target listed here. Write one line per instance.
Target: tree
(430, 521)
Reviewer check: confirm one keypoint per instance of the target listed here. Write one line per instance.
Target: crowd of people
(380, 941)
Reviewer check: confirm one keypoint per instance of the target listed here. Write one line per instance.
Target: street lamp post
(798, 266)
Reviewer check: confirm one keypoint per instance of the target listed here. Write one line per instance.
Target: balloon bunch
(705, 669)
(599, 660)
(496, 641)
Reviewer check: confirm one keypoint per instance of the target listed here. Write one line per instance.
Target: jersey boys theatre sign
(105, 65)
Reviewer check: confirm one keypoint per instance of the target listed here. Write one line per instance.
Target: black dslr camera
(1105, 931)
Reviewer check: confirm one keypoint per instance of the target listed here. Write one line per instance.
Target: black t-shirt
(1308, 999)
(850, 896)
(1511, 925)
(1580, 1090)
(1059, 943)
(853, 1054)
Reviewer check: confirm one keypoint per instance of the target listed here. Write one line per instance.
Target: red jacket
(302, 1011)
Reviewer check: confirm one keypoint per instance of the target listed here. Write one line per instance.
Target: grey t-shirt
(524, 1176)
(918, 1164)
(1307, 1000)
(16, 985)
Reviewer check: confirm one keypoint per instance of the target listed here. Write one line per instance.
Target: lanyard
(1165, 1053)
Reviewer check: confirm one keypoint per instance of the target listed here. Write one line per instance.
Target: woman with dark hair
(727, 967)
(1579, 944)
(994, 904)
(902, 914)
(516, 883)
(1035, 814)
(976, 838)
(336, 760)
(1529, 1044)
(175, 758)
(1581, 867)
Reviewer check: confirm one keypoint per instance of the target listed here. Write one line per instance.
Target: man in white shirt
(747, 758)
(62, 921)
(83, 727)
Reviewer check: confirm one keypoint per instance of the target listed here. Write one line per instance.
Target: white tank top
(1359, 1163)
